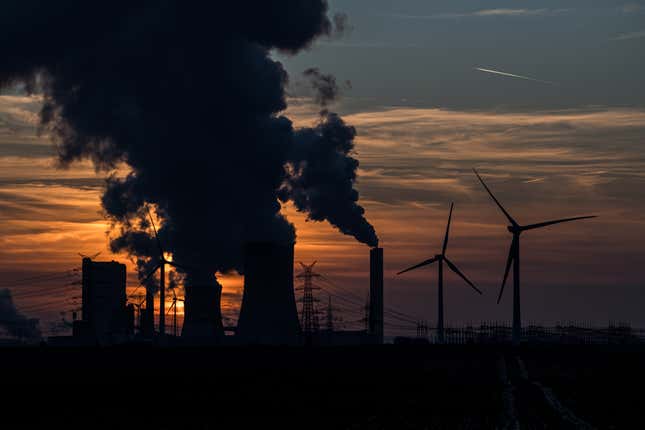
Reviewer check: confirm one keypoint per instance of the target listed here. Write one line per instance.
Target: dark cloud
(189, 97)
(342, 26)
(322, 178)
(325, 86)
(15, 323)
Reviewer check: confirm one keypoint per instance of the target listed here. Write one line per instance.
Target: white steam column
(376, 294)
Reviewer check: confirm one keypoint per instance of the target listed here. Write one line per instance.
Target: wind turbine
(514, 257)
(440, 258)
(161, 266)
(138, 305)
(173, 308)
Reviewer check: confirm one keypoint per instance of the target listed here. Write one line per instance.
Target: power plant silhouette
(268, 312)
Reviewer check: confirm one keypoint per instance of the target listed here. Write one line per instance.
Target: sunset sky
(425, 117)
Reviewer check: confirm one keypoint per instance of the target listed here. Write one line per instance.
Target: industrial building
(105, 316)
(268, 314)
(202, 309)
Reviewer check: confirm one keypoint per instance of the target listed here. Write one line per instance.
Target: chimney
(376, 294)
(268, 314)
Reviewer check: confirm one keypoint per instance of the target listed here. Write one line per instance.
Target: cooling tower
(202, 311)
(268, 314)
(376, 294)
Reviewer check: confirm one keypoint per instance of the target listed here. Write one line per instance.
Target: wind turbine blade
(423, 263)
(170, 308)
(510, 218)
(458, 272)
(177, 265)
(509, 261)
(156, 234)
(302, 264)
(313, 264)
(152, 272)
(558, 221)
(445, 240)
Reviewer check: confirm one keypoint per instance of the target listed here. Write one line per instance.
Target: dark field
(390, 386)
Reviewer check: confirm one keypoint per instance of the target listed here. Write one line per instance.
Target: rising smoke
(15, 323)
(325, 86)
(188, 96)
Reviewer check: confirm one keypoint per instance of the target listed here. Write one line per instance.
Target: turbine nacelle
(514, 229)
(514, 255)
(442, 258)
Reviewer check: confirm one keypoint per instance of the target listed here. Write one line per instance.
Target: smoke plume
(325, 86)
(16, 324)
(188, 96)
(342, 26)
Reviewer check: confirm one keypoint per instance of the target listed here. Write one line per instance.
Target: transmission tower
(309, 316)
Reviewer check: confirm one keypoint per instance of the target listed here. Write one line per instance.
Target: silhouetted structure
(440, 258)
(514, 258)
(202, 310)
(308, 315)
(376, 294)
(268, 314)
(105, 315)
(161, 266)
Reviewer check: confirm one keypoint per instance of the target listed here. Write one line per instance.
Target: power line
(38, 281)
(47, 275)
(353, 295)
(23, 292)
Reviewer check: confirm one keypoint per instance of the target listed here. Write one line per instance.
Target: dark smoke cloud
(188, 96)
(322, 176)
(325, 86)
(342, 26)
(14, 322)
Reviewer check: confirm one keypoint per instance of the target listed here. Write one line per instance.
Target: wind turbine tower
(161, 266)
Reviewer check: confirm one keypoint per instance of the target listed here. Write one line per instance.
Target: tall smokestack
(268, 314)
(376, 294)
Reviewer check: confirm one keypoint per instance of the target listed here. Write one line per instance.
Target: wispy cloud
(518, 12)
(366, 45)
(499, 12)
(631, 35)
(633, 8)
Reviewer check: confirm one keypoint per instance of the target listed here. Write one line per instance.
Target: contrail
(497, 72)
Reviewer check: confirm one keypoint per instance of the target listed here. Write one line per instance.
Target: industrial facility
(268, 314)
(106, 318)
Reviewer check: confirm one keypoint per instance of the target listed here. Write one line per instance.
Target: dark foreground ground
(389, 386)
